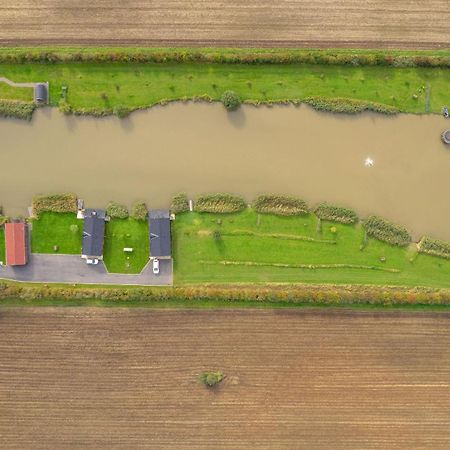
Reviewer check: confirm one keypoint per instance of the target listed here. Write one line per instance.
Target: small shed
(41, 93)
(16, 238)
(160, 239)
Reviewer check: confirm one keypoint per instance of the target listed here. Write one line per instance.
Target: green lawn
(249, 238)
(121, 233)
(7, 91)
(55, 229)
(2, 245)
(105, 85)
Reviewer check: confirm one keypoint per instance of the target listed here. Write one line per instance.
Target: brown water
(198, 148)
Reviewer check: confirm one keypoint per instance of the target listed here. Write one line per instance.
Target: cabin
(16, 243)
(159, 229)
(41, 93)
(93, 235)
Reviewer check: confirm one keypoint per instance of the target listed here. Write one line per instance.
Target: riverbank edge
(236, 295)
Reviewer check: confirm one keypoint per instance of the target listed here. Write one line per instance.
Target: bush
(116, 211)
(17, 109)
(139, 211)
(211, 379)
(231, 100)
(60, 203)
(386, 231)
(280, 205)
(121, 111)
(74, 229)
(333, 213)
(3, 220)
(64, 107)
(347, 105)
(180, 203)
(220, 203)
(434, 247)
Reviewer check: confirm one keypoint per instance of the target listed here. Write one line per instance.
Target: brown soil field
(296, 379)
(281, 23)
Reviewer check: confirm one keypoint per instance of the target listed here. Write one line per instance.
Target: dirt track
(294, 23)
(116, 378)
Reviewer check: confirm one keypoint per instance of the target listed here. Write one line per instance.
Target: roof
(16, 243)
(160, 242)
(93, 234)
(41, 93)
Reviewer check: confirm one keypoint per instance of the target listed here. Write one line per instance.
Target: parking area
(73, 269)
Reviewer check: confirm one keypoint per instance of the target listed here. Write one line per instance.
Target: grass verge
(126, 233)
(62, 230)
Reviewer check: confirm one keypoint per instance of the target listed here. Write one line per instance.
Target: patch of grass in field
(17, 93)
(2, 245)
(103, 86)
(122, 233)
(61, 229)
(201, 241)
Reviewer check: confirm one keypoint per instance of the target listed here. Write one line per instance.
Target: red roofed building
(16, 244)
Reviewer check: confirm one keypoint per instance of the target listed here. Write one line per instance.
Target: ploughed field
(118, 378)
(312, 23)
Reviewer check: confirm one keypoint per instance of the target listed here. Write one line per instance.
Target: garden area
(126, 233)
(57, 232)
(249, 247)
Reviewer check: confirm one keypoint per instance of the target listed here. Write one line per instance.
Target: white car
(155, 266)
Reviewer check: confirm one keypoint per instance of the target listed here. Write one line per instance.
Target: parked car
(156, 266)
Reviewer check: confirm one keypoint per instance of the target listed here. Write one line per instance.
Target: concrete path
(72, 269)
(19, 85)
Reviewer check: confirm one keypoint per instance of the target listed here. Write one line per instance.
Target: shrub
(386, 231)
(3, 220)
(74, 229)
(434, 247)
(116, 211)
(211, 379)
(333, 213)
(180, 203)
(17, 109)
(121, 111)
(220, 203)
(280, 205)
(231, 100)
(60, 203)
(64, 107)
(139, 211)
(347, 105)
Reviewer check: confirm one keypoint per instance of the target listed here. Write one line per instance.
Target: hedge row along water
(17, 108)
(333, 213)
(434, 247)
(280, 205)
(227, 56)
(386, 231)
(220, 203)
(347, 105)
(60, 203)
(292, 294)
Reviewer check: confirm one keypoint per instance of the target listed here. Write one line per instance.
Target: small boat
(445, 111)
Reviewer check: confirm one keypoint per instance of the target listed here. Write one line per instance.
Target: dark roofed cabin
(41, 93)
(160, 241)
(93, 234)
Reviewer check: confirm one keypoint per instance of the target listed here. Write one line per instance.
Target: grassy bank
(103, 88)
(247, 247)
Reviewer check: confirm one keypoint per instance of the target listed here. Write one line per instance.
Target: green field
(103, 86)
(248, 247)
(54, 229)
(121, 233)
(2, 245)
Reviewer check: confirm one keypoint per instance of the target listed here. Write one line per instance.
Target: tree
(139, 211)
(231, 100)
(211, 379)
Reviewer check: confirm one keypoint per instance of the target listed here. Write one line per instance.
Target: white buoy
(368, 162)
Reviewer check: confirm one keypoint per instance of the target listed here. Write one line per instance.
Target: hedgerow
(386, 231)
(116, 211)
(333, 213)
(139, 211)
(180, 203)
(293, 294)
(228, 56)
(280, 205)
(434, 247)
(220, 203)
(17, 109)
(348, 105)
(3, 219)
(60, 203)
